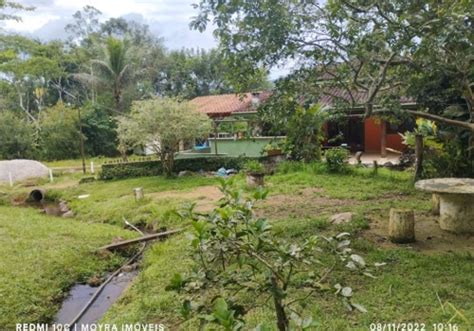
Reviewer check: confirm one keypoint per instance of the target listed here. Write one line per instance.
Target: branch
(436, 118)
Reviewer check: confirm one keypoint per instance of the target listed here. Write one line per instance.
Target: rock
(388, 164)
(94, 281)
(68, 214)
(130, 267)
(63, 207)
(341, 218)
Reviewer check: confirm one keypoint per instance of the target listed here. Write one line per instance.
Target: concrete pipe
(37, 195)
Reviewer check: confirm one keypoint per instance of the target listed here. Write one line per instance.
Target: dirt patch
(429, 237)
(205, 197)
(305, 203)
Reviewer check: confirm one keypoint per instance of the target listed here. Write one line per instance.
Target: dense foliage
(101, 68)
(373, 54)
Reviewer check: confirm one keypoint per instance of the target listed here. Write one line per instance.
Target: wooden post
(401, 228)
(92, 167)
(138, 192)
(376, 167)
(10, 179)
(215, 136)
(418, 156)
(51, 178)
(383, 138)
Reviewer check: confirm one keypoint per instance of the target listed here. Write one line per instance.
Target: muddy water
(81, 294)
(49, 208)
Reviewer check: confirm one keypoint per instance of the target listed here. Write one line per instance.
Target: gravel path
(22, 169)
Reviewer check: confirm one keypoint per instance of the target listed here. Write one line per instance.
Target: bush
(254, 167)
(337, 159)
(154, 168)
(237, 252)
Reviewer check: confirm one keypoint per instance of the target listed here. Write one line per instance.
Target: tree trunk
(418, 156)
(81, 142)
(282, 320)
(167, 162)
(383, 139)
(401, 227)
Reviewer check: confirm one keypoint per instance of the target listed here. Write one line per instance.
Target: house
(371, 135)
(236, 131)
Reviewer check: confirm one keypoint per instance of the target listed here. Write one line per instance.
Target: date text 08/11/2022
(413, 327)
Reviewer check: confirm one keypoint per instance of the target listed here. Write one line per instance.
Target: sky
(168, 19)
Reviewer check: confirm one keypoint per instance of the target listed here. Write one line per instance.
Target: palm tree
(113, 71)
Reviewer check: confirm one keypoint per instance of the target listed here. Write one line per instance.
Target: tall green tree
(370, 48)
(59, 136)
(113, 72)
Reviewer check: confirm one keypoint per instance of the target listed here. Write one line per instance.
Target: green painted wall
(251, 147)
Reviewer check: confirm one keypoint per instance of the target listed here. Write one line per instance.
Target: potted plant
(255, 173)
(272, 149)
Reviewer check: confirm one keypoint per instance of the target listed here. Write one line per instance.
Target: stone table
(456, 198)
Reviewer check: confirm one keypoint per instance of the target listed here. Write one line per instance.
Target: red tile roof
(226, 104)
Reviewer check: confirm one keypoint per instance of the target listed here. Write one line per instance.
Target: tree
(35, 71)
(192, 73)
(161, 123)
(6, 6)
(99, 130)
(59, 134)
(86, 23)
(371, 48)
(17, 137)
(114, 71)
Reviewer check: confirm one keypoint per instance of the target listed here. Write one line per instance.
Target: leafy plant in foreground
(337, 159)
(237, 255)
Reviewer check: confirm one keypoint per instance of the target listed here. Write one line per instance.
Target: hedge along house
(372, 135)
(236, 130)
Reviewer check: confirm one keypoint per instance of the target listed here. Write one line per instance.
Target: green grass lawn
(406, 288)
(301, 200)
(111, 201)
(41, 257)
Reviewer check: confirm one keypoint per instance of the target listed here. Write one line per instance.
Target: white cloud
(167, 18)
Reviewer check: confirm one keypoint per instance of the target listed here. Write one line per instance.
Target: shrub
(154, 168)
(254, 167)
(236, 252)
(337, 159)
